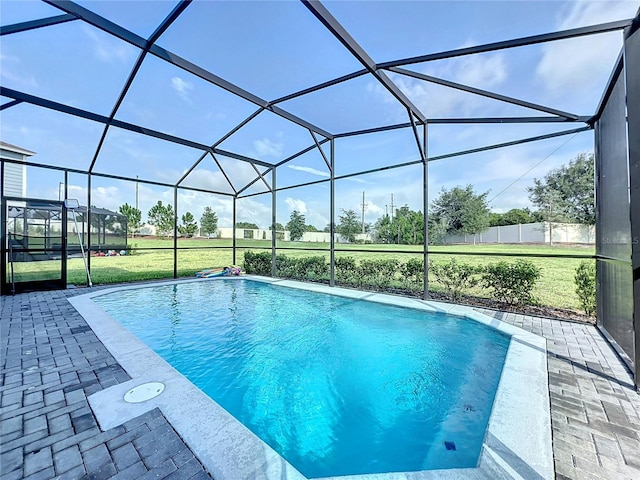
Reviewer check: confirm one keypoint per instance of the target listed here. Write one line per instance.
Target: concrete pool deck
(52, 361)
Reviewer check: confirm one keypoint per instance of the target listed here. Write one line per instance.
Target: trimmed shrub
(585, 279)
(305, 268)
(257, 263)
(387, 271)
(512, 283)
(455, 277)
(345, 270)
(285, 267)
(377, 273)
(313, 268)
(412, 272)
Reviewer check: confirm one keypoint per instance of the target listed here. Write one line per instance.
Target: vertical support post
(332, 216)
(88, 220)
(175, 232)
(65, 231)
(233, 229)
(3, 234)
(273, 222)
(425, 207)
(632, 78)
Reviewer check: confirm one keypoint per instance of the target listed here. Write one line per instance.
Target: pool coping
(517, 443)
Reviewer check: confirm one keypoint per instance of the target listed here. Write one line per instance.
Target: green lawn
(555, 288)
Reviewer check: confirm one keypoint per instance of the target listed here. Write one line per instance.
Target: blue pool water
(336, 386)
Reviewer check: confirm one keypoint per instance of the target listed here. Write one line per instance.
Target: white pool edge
(517, 443)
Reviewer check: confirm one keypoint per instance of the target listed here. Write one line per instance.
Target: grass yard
(555, 288)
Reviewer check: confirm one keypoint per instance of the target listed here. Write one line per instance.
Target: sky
(272, 49)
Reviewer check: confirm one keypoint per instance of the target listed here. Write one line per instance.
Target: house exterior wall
(15, 174)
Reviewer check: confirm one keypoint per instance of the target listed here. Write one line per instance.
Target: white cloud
(268, 148)
(296, 204)
(110, 197)
(373, 210)
(15, 78)
(310, 170)
(249, 210)
(207, 180)
(182, 87)
(482, 71)
(587, 12)
(570, 69)
(317, 220)
(106, 48)
(487, 71)
(195, 202)
(241, 173)
(357, 180)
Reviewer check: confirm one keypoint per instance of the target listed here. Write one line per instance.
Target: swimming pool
(337, 386)
(517, 438)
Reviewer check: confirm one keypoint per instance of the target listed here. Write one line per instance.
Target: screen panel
(613, 232)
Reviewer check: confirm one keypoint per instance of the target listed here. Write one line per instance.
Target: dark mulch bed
(537, 311)
(534, 310)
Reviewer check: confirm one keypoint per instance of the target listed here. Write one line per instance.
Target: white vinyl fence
(544, 232)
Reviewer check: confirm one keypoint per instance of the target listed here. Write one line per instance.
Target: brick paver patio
(51, 361)
(595, 411)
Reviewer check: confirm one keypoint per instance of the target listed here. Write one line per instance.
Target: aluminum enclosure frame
(418, 122)
(632, 80)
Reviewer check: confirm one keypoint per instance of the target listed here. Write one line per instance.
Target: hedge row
(511, 283)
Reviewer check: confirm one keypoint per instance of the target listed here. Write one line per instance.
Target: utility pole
(549, 218)
(136, 192)
(364, 207)
(392, 205)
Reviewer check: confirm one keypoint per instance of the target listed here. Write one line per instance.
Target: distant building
(15, 174)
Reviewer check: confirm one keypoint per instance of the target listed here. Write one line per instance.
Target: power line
(525, 173)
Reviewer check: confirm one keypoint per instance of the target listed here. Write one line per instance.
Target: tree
(495, 219)
(409, 226)
(247, 225)
(189, 226)
(437, 230)
(162, 217)
(517, 216)
(461, 210)
(208, 222)
(383, 230)
(296, 225)
(348, 225)
(279, 227)
(567, 193)
(310, 228)
(133, 217)
(514, 216)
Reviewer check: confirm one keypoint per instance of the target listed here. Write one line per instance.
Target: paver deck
(51, 361)
(595, 410)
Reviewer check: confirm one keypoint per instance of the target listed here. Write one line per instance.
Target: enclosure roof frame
(378, 71)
